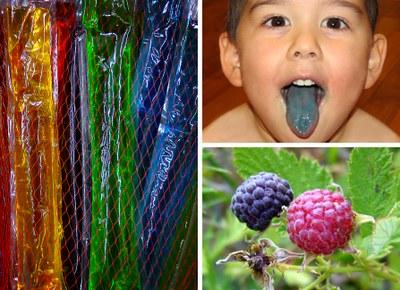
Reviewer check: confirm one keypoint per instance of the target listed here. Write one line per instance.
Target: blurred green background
(223, 233)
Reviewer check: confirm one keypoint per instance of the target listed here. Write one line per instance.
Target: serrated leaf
(372, 185)
(386, 233)
(302, 174)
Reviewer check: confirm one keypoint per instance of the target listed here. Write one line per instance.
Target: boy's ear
(376, 59)
(229, 58)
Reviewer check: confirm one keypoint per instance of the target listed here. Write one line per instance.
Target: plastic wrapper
(78, 277)
(112, 29)
(6, 240)
(77, 204)
(180, 267)
(168, 192)
(161, 32)
(69, 65)
(34, 153)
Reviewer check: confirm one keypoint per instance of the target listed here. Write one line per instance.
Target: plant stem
(319, 269)
(318, 281)
(322, 261)
(378, 269)
(364, 265)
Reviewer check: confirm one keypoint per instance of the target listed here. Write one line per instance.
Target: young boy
(303, 65)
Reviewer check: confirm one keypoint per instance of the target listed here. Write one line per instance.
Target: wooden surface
(381, 101)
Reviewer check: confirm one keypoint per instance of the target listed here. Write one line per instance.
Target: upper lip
(317, 79)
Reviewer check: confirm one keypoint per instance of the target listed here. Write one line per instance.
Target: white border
(300, 145)
(200, 146)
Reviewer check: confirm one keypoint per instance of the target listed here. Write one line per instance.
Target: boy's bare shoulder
(363, 127)
(236, 125)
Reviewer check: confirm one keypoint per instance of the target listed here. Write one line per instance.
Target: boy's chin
(289, 136)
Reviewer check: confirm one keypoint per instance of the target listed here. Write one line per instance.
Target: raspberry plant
(366, 258)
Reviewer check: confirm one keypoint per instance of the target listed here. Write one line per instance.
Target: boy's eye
(334, 23)
(277, 21)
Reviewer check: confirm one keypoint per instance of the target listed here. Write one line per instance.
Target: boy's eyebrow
(342, 3)
(267, 2)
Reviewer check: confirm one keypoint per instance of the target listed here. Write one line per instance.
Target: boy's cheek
(348, 83)
(259, 68)
(347, 62)
(347, 74)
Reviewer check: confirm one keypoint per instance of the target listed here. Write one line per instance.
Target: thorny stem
(322, 261)
(324, 269)
(364, 265)
(378, 269)
(319, 269)
(317, 281)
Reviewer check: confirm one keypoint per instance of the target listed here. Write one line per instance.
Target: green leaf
(302, 174)
(396, 187)
(385, 234)
(213, 197)
(395, 211)
(230, 231)
(394, 263)
(332, 155)
(215, 169)
(372, 184)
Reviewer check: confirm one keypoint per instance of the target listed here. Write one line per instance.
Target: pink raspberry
(320, 221)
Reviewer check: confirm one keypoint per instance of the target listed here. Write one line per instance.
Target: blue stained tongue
(302, 112)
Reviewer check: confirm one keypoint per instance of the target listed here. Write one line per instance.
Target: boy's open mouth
(302, 98)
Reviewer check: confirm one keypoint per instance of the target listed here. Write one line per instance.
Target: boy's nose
(304, 46)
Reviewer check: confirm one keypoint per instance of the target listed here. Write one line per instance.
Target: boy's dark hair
(236, 7)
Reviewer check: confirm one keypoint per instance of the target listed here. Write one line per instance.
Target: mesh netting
(98, 143)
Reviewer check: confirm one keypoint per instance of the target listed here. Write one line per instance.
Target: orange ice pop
(35, 153)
